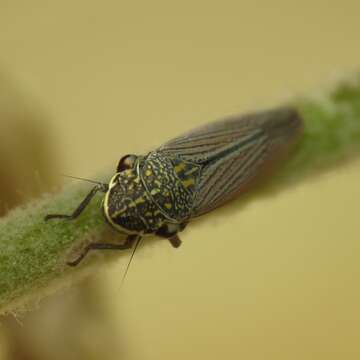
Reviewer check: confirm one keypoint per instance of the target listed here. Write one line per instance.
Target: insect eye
(126, 162)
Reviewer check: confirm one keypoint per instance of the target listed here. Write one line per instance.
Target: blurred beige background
(278, 279)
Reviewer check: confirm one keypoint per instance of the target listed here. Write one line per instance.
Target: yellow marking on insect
(188, 182)
(157, 212)
(154, 191)
(119, 212)
(139, 200)
(148, 173)
(180, 167)
(191, 171)
(137, 180)
(168, 205)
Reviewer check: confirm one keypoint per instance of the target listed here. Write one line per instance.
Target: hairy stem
(33, 253)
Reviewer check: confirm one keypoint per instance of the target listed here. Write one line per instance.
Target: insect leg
(175, 241)
(170, 232)
(82, 206)
(103, 246)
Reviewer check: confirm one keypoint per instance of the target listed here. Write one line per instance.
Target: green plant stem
(33, 253)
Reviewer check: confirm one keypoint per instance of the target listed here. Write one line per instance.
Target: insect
(161, 192)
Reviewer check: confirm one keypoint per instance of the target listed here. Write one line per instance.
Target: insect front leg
(104, 246)
(82, 206)
(170, 232)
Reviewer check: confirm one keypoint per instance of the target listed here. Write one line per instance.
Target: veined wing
(233, 153)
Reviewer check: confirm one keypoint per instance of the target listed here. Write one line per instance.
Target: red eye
(126, 162)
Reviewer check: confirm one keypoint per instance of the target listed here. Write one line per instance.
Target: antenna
(131, 258)
(83, 179)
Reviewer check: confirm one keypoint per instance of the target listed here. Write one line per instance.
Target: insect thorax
(171, 183)
(159, 189)
(128, 207)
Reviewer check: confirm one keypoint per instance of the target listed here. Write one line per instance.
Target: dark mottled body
(128, 206)
(159, 189)
(188, 176)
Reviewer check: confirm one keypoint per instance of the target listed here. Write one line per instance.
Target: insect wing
(234, 153)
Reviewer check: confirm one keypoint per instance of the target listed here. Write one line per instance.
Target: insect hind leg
(175, 241)
(170, 232)
(82, 205)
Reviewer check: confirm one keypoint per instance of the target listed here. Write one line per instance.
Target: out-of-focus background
(278, 279)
